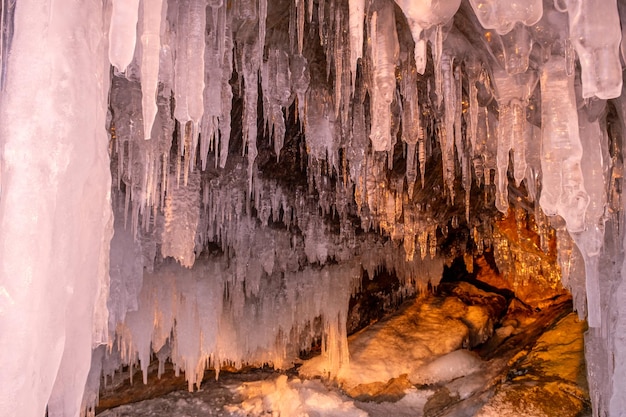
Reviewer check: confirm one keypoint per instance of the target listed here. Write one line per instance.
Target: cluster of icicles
(180, 64)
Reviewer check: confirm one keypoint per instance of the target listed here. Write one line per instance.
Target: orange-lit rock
(523, 263)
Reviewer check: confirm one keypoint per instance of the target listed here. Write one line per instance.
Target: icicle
(563, 190)
(437, 48)
(422, 155)
(512, 93)
(505, 130)
(446, 132)
(595, 33)
(474, 69)
(151, 47)
(226, 46)
(195, 62)
(356, 25)
(461, 149)
(300, 12)
(123, 33)
(502, 16)
(250, 73)
(55, 204)
(276, 84)
(422, 15)
(385, 50)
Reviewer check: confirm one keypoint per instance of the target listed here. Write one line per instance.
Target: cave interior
(214, 185)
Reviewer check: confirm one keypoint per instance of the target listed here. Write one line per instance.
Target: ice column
(55, 216)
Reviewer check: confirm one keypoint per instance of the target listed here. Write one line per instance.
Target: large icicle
(123, 33)
(512, 93)
(356, 24)
(151, 49)
(55, 216)
(563, 191)
(595, 33)
(189, 69)
(385, 50)
(594, 167)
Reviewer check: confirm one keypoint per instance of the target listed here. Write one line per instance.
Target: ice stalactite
(189, 77)
(502, 15)
(356, 26)
(384, 51)
(250, 61)
(422, 15)
(153, 25)
(512, 94)
(123, 33)
(563, 190)
(55, 211)
(218, 95)
(447, 132)
(319, 126)
(411, 128)
(596, 35)
(595, 169)
(276, 83)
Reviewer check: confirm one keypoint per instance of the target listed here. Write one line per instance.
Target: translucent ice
(563, 189)
(596, 35)
(356, 25)
(151, 48)
(55, 208)
(123, 33)
(502, 15)
(422, 15)
(512, 93)
(385, 50)
(182, 207)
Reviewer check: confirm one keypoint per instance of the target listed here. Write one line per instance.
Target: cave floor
(514, 362)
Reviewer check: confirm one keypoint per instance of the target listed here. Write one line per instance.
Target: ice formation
(292, 147)
(55, 208)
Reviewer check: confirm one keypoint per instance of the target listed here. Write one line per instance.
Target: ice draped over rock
(264, 152)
